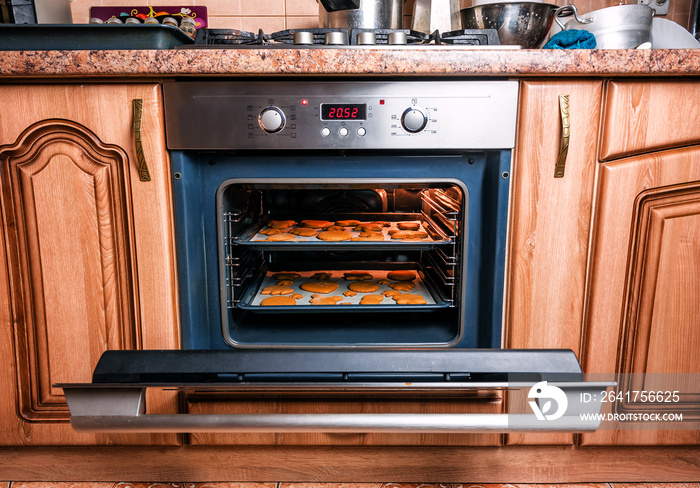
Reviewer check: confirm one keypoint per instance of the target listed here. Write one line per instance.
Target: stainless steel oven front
(298, 202)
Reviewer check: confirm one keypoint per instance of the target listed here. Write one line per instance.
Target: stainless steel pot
(523, 24)
(619, 27)
(360, 14)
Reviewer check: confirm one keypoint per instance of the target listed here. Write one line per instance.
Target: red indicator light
(381, 102)
(304, 101)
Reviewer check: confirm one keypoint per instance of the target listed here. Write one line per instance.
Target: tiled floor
(124, 484)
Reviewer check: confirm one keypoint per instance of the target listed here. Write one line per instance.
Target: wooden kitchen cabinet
(606, 260)
(86, 250)
(550, 222)
(643, 304)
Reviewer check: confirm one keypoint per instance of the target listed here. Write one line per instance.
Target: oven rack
(239, 271)
(438, 236)
(440, 301)
(446, 210)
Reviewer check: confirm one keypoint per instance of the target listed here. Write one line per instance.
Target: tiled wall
(275, 15)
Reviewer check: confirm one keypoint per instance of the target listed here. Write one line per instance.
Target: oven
(361, 163)
(338, 237)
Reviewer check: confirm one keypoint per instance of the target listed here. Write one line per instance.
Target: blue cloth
(571, 39)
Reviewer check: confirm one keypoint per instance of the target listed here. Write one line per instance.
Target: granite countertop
(427, 60)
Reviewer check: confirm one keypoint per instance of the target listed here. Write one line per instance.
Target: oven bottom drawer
(486, 403)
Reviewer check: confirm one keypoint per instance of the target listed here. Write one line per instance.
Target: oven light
(381, 102)
(304, 101)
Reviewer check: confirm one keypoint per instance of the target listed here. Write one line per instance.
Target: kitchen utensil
(432, 15)
(619, 27)
(360, 14)
(518, 23)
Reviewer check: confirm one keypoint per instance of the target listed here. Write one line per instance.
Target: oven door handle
(120, 408)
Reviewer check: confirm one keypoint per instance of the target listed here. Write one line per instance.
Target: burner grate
(310, 36)
(334, 37)
(384, 36)
(471, 37)
(228, 37)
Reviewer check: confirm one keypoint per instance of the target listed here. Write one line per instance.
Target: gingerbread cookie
(409, 234)
(370, 227)
(347, 223)
(321, 276)
(357, 275)
(369, 233)
(277, 290)
(286, 276)
(391, 293)
(304, 232)
(280, 224)
(383, 282)
(334, 235)
(333, 227)
(350, 293)
(278, 300)
(403, 285)
(363, 286)
(281, 237)
(408, 299)
(316, 224)
(401, 275)
(284, 283)
(271, 232)
(319, 286)
(408, 225)
(322, 300)
(297, 296)
(371, 300)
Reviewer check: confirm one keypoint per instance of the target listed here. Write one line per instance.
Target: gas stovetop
(317, 38)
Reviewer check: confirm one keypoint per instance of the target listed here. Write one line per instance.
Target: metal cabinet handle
(144, 174)
(565, 136)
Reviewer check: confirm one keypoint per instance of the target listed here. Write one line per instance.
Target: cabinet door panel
(643, 116)
(550, 223)
(66, 206)
(88, 249)
(644, 298)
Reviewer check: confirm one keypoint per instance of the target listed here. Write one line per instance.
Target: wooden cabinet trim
(343, 464)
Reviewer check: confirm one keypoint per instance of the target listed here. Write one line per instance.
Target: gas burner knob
(414, 119)
(271, 119)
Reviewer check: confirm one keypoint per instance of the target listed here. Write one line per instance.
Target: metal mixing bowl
(520, 23)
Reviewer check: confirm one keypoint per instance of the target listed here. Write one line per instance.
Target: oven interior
(225, 200)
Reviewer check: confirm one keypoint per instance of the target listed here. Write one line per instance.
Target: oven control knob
(271, 119)
(414, 119)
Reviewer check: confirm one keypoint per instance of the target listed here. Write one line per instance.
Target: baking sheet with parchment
(337, 276)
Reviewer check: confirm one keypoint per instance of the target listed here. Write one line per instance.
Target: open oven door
(557, 398)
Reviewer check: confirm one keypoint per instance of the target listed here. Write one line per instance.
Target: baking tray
(80, 37)
(252, 236)
(252, 299)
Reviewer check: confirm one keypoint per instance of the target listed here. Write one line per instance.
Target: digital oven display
(343, 111)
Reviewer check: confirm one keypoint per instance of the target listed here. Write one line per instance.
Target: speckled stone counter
(398, 61)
